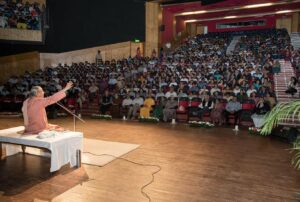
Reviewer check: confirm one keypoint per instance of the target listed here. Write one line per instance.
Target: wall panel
(20, 35)
(18, 64)
(109, 52)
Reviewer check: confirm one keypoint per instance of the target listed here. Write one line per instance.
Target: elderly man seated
(34, 113)
(169, 111)
(136, 105)
(233, 107)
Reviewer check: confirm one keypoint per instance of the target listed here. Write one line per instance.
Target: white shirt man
(250, 91)
(93, 89)
(170, 93)
(3, 21)
(214, 89)
(127, 102)
(159, 94)
(236, 90)
(138, 101)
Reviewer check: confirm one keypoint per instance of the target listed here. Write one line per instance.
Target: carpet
(103, 147)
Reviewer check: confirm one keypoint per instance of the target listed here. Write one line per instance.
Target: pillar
(153, 27)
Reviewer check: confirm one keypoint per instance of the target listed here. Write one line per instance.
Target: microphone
(74, 115)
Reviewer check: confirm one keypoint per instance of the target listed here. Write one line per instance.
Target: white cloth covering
(63, 145)
(258, 120)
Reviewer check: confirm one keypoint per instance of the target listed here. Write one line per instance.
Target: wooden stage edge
(215, 164)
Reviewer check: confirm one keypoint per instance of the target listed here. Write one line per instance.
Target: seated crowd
(197, 80)
(15, 14)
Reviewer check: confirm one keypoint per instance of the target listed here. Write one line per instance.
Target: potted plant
(101, 116)
(148, 119)
(284, 112)
(201, 124)
(254, 131)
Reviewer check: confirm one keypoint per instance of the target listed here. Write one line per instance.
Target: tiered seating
(197, 68)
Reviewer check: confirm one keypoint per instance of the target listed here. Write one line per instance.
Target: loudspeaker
(161, 28)
(286, 134)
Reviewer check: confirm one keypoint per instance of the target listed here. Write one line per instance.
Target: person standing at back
(98, 57)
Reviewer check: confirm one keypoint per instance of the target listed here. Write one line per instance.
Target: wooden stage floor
(197, 165)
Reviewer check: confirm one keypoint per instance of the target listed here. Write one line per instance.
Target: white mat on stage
(93, 146)
(104, 147)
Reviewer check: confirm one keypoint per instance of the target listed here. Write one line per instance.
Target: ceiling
(168, 2)
(231, 8)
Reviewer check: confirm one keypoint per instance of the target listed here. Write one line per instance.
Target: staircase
(232, 45)
(281, 81)
(295, 39)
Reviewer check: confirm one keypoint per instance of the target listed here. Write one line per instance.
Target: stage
(197, 165)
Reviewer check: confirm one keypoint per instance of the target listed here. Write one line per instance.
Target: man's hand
(68, 86)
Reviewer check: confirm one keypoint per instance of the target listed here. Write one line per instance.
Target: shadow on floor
(26, 177)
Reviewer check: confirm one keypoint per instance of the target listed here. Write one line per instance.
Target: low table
(64, 148)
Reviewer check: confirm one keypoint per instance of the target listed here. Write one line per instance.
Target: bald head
(36, 91)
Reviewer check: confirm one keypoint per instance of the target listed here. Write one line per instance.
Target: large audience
(158, 85)
(16, 14)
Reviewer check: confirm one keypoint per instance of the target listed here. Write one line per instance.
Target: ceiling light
(199, 12)
(230, 17)
(284, 11)
(192, 12)
(187, 21)
(258, 5)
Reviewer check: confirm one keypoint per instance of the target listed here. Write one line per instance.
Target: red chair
(8, 103)
(18, 102)
(182, 110)
(195, 102)
(206, 117)
(247, 110)
(71, 103)
(193, 109)
(248, 106)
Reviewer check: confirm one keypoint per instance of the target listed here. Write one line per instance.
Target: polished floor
(197, 165)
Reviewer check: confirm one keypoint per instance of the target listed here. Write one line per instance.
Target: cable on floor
(140, 164)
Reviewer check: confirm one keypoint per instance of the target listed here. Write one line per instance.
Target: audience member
(169, 112)
(261, 108)
(233, 107)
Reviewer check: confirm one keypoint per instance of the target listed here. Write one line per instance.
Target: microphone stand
(73, 114)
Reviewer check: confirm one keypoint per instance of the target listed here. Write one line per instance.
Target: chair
(246, 113)
(193, 109)
(182, 110)
(206, 117)
(8, 103)
(71, 103)
(18, 102)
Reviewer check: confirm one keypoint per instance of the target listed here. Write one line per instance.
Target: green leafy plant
(102, 116)
(148, 119)
(281, 113)
(201, 124)
(284, 112)
(254, 131)
(296, 158)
